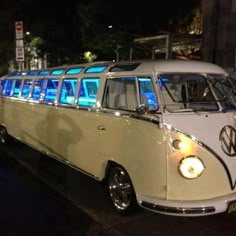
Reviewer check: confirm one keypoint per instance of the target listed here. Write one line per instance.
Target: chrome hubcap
(120, 188)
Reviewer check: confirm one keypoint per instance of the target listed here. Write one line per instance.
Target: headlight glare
(191, 167)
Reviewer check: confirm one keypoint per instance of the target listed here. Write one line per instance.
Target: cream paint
(206, 128)
(89, 138)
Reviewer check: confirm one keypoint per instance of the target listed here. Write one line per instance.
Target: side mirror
(142, 109)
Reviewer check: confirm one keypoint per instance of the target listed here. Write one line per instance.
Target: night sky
(141, 16)
(66, 27)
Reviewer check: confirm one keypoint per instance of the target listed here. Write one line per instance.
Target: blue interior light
(144, 79)
(96, 69)
(13, 73)
(74, 71)
(32, 73)
(22, 73)
(165, 80)
(57, 72)
(43, 72)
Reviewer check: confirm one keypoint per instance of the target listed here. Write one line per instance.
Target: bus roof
(139, 66)
(181, 66)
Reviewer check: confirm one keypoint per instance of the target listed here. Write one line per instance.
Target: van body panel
(135, 140)
(177, 144)
(220, 177)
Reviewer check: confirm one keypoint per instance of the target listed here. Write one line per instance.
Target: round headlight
(191, 167)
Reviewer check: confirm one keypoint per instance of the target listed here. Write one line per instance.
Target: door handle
(101, 128)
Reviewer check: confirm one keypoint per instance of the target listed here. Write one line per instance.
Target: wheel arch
(132, 205)
(109, 165)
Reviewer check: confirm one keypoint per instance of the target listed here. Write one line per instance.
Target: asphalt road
(30, 207)
(40, 196)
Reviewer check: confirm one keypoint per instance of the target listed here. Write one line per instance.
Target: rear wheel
(3, 135)
(120, 190)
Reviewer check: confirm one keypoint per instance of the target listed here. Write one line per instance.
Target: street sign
(20, 51)
(19, 29)
(19, 43)
(20, 54)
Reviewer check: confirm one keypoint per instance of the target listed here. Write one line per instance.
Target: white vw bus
(158, 133)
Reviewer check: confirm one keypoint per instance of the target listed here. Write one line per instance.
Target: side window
(68, 88)
(7, 87)
(2, 82)
(121, 93)
(26, 88)
(147, 94)
(51, 90)
(88, 91)
(37, 89)
(16, 88)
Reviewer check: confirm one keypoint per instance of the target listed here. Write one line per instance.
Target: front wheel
(3, 135)
(120, 190)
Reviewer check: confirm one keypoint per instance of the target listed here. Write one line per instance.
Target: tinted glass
(7, 87)
(37, 89)
(51, 90)
(68, 88)
(16, 87)
(147, 94)
(88, 91)
(121, 93)
(26, 88)
(2, 82)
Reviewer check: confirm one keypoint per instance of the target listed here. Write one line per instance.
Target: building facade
(219, 32)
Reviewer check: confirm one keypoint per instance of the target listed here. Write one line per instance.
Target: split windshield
(195, 92)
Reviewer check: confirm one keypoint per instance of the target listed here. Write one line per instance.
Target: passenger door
(135, 141)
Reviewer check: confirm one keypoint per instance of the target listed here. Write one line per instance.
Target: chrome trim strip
(178, 210)
(232, 185)
(151, 118)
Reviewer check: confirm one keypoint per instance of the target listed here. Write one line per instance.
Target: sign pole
(20, 50)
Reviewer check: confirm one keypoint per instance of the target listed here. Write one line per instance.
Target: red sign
(19, 25)
(19, 29)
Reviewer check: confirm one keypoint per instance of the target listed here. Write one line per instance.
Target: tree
(34, 51)
(69, 29)
(7, 43)
(128, 22)
(56, 24)
(191, 22)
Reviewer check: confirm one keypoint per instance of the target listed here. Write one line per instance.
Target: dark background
(71, 27)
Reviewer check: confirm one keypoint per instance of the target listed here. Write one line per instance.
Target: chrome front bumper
(178, 210)
(189, 208)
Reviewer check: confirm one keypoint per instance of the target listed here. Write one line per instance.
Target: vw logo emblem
(228, 140)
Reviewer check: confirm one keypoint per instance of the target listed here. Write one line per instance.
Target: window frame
(61, 87)
(30, 89)
(77, 100)
(138, 96)
(14, 87)
(33, 89)
(45, 88)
